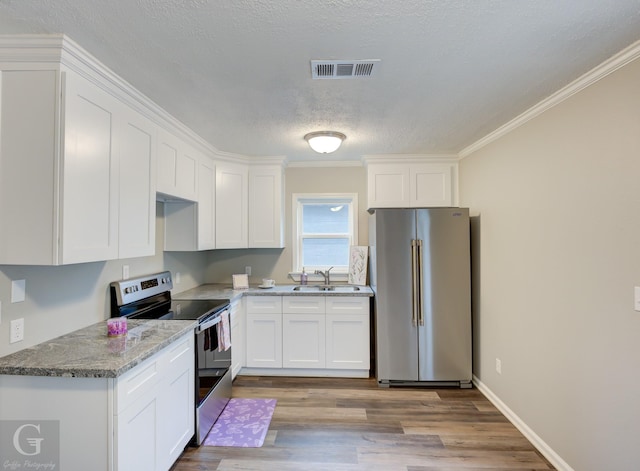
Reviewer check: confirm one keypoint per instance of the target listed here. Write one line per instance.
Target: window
(325, 226)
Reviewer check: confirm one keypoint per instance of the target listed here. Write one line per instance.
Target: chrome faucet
(325, 274)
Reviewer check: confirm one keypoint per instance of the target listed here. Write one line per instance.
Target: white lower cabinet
(264, 331)
(317, 335)
(155, 409)
(141, 420)
(303, 332)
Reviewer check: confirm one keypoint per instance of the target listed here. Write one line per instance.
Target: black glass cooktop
(194, 309)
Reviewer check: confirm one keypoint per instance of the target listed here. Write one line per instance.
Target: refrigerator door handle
(414, 282)
(420, 307)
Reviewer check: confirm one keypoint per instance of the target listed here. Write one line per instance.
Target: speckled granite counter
(225, 291)
(90, 353)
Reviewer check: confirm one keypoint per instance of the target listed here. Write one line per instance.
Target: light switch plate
(18, 291)
(636, 298)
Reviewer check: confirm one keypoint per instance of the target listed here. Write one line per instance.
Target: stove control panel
(135, 289)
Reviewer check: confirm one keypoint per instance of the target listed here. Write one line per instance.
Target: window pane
(325, 252)
(325, 219)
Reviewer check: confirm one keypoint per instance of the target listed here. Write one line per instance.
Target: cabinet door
(206, 204)
(137, 206)
(136, 429)
(176, 406)
(348, 333)
(90, 174)
(303, 344)
(232, 206)
(264, 340)
(431, 185)
(388, 186)
(266, 207)
(348, 341)
(177, 168)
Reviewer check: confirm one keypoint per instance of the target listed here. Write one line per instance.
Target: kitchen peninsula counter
(225, 291)
(90, 353)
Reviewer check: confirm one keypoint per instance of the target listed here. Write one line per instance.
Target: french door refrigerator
(420, 275)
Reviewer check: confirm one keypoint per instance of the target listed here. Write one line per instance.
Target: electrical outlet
(17, 331)
(125, 272)
(499, 366)
(177, 278)
(247, 270)
(636, 298)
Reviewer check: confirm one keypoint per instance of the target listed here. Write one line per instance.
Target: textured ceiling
(238, 71)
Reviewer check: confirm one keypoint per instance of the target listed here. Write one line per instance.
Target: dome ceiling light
(325, 142)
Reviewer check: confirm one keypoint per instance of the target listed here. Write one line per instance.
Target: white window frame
(298, 199)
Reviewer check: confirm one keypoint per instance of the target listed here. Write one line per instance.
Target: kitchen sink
(314, 288)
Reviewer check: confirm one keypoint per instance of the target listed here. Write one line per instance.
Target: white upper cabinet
(232, 207)
(59, 179)
(266, 206)
(411, 184)
(177, 168)
(190, 226)
(77, 181)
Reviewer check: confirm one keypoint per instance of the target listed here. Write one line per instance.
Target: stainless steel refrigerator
(420, 275)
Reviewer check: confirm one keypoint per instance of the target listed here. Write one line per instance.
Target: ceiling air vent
(343, 69)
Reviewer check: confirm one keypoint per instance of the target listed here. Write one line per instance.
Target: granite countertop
(90, 353)
(225, 291)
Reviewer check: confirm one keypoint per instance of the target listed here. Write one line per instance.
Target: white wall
(66, 298)
(277, 263)
(556, 238)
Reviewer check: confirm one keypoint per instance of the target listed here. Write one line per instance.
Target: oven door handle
(205, 325)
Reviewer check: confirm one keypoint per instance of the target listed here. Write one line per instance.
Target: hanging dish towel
(224, 333)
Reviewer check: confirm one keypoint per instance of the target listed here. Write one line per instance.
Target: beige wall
(277, 263)
(66, 298)
(556, 238)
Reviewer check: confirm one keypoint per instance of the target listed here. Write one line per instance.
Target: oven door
(213, 377)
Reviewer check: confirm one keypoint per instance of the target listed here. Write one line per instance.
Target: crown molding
(409, 158)
(39, 51)
(324, 163)
(609, 66)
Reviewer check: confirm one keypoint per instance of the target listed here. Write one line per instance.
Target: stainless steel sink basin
(314, 288)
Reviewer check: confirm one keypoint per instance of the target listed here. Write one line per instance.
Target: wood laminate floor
(329, 424)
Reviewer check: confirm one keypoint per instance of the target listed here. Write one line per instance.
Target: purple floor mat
(243, 423)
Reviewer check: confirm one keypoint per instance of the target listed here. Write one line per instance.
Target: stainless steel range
(149, 297)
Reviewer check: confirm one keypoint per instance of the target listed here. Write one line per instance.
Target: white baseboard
(535, 440)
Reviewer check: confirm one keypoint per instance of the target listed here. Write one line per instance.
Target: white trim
(325, 163)
(314, 373)
(609, 66)
(535, 440)
(42, 50)
(409, 158)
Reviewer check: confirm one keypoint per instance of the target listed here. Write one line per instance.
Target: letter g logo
(34, 442)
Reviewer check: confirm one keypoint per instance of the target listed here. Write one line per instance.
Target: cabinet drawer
(264, 304)
(179, 357)
(139, 381)
(303, 305)
(347, 305)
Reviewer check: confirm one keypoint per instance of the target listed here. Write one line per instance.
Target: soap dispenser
(303, 277)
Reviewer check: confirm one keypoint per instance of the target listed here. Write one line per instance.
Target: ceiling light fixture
(325, 142)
